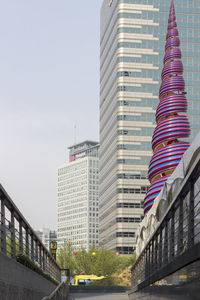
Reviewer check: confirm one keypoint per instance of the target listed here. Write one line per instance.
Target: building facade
(132, 47)
(78, 197)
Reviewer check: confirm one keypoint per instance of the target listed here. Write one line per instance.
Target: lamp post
(65, 258)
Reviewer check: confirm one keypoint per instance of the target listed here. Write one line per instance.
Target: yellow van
(86, 279)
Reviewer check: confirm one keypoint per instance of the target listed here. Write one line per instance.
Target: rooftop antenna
(74, 134)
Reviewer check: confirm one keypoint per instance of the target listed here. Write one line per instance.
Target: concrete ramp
(99, 296)
(98, 293)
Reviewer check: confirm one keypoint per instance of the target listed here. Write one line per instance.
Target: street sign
(53, 245)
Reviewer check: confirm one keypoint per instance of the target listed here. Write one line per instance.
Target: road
(98, 296)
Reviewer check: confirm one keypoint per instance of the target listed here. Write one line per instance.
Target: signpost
(53, 248)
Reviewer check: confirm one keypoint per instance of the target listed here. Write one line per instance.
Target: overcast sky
(49, 81)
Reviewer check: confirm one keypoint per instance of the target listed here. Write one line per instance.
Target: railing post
(191, 216)
(44, 259)
(171, 245)
(160, 251)
(36, 250)
(152, 257)
(32, 247)
(12, 231)
(156, 253)
(20, 237)
(146, 263)
(180, 227)
(27, 242)
(147, 266)
(3, 228)
(166, 243)
(40, 256)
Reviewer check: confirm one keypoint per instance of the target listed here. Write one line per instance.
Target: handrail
(17, 237)
(61, 292)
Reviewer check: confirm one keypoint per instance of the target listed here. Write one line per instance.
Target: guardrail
(176, 242)
(18, 238)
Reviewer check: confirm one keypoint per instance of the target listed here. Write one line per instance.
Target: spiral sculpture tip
(168, 149)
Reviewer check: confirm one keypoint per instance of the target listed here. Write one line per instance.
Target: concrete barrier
(18, 282)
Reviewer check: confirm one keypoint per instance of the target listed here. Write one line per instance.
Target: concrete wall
(17, 282)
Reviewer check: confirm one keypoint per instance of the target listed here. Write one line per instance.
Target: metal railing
(18, 238)
(176, 242)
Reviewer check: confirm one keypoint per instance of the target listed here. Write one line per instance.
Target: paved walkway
(98, 296)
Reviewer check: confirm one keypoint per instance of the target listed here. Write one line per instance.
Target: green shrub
(26, 261)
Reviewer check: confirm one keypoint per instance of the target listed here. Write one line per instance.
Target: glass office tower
(132, 48)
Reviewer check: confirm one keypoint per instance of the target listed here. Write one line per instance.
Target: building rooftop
(83, 144)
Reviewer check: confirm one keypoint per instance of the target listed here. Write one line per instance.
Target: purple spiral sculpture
(171, 126)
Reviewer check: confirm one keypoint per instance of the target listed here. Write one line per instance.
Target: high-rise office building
(78, 197)
(132, 48)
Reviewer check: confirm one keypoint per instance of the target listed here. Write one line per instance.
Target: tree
(98, 261)
(65, 258)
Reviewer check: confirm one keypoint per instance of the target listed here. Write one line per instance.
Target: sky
(49, 83)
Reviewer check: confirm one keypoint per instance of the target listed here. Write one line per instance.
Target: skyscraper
(132, 48)
(78, 197)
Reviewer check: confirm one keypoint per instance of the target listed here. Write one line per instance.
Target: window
(128, 220)
(125, 234)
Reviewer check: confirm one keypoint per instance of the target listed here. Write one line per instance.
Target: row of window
(148, 117)
(142, 146)
(141, 161)
(187, 20)
(93, 187)
(144, 59)
(192, 78)
(132, 176)
(144, 88)
(93, 236)
(64, 229)
(73, 198)
(140, 131)
(125, 234)
(93, 225)
(93, 242)
(66, 211)
(128, 220)
(93, 230)
(142, 74)
(129, 205)
(72, 167)
(157, 31)
(183, 3)
(93, 215)
(125, 250)
(141, 190)
(71, 185)
(94, 209)
(191, 64)
(142, 103)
